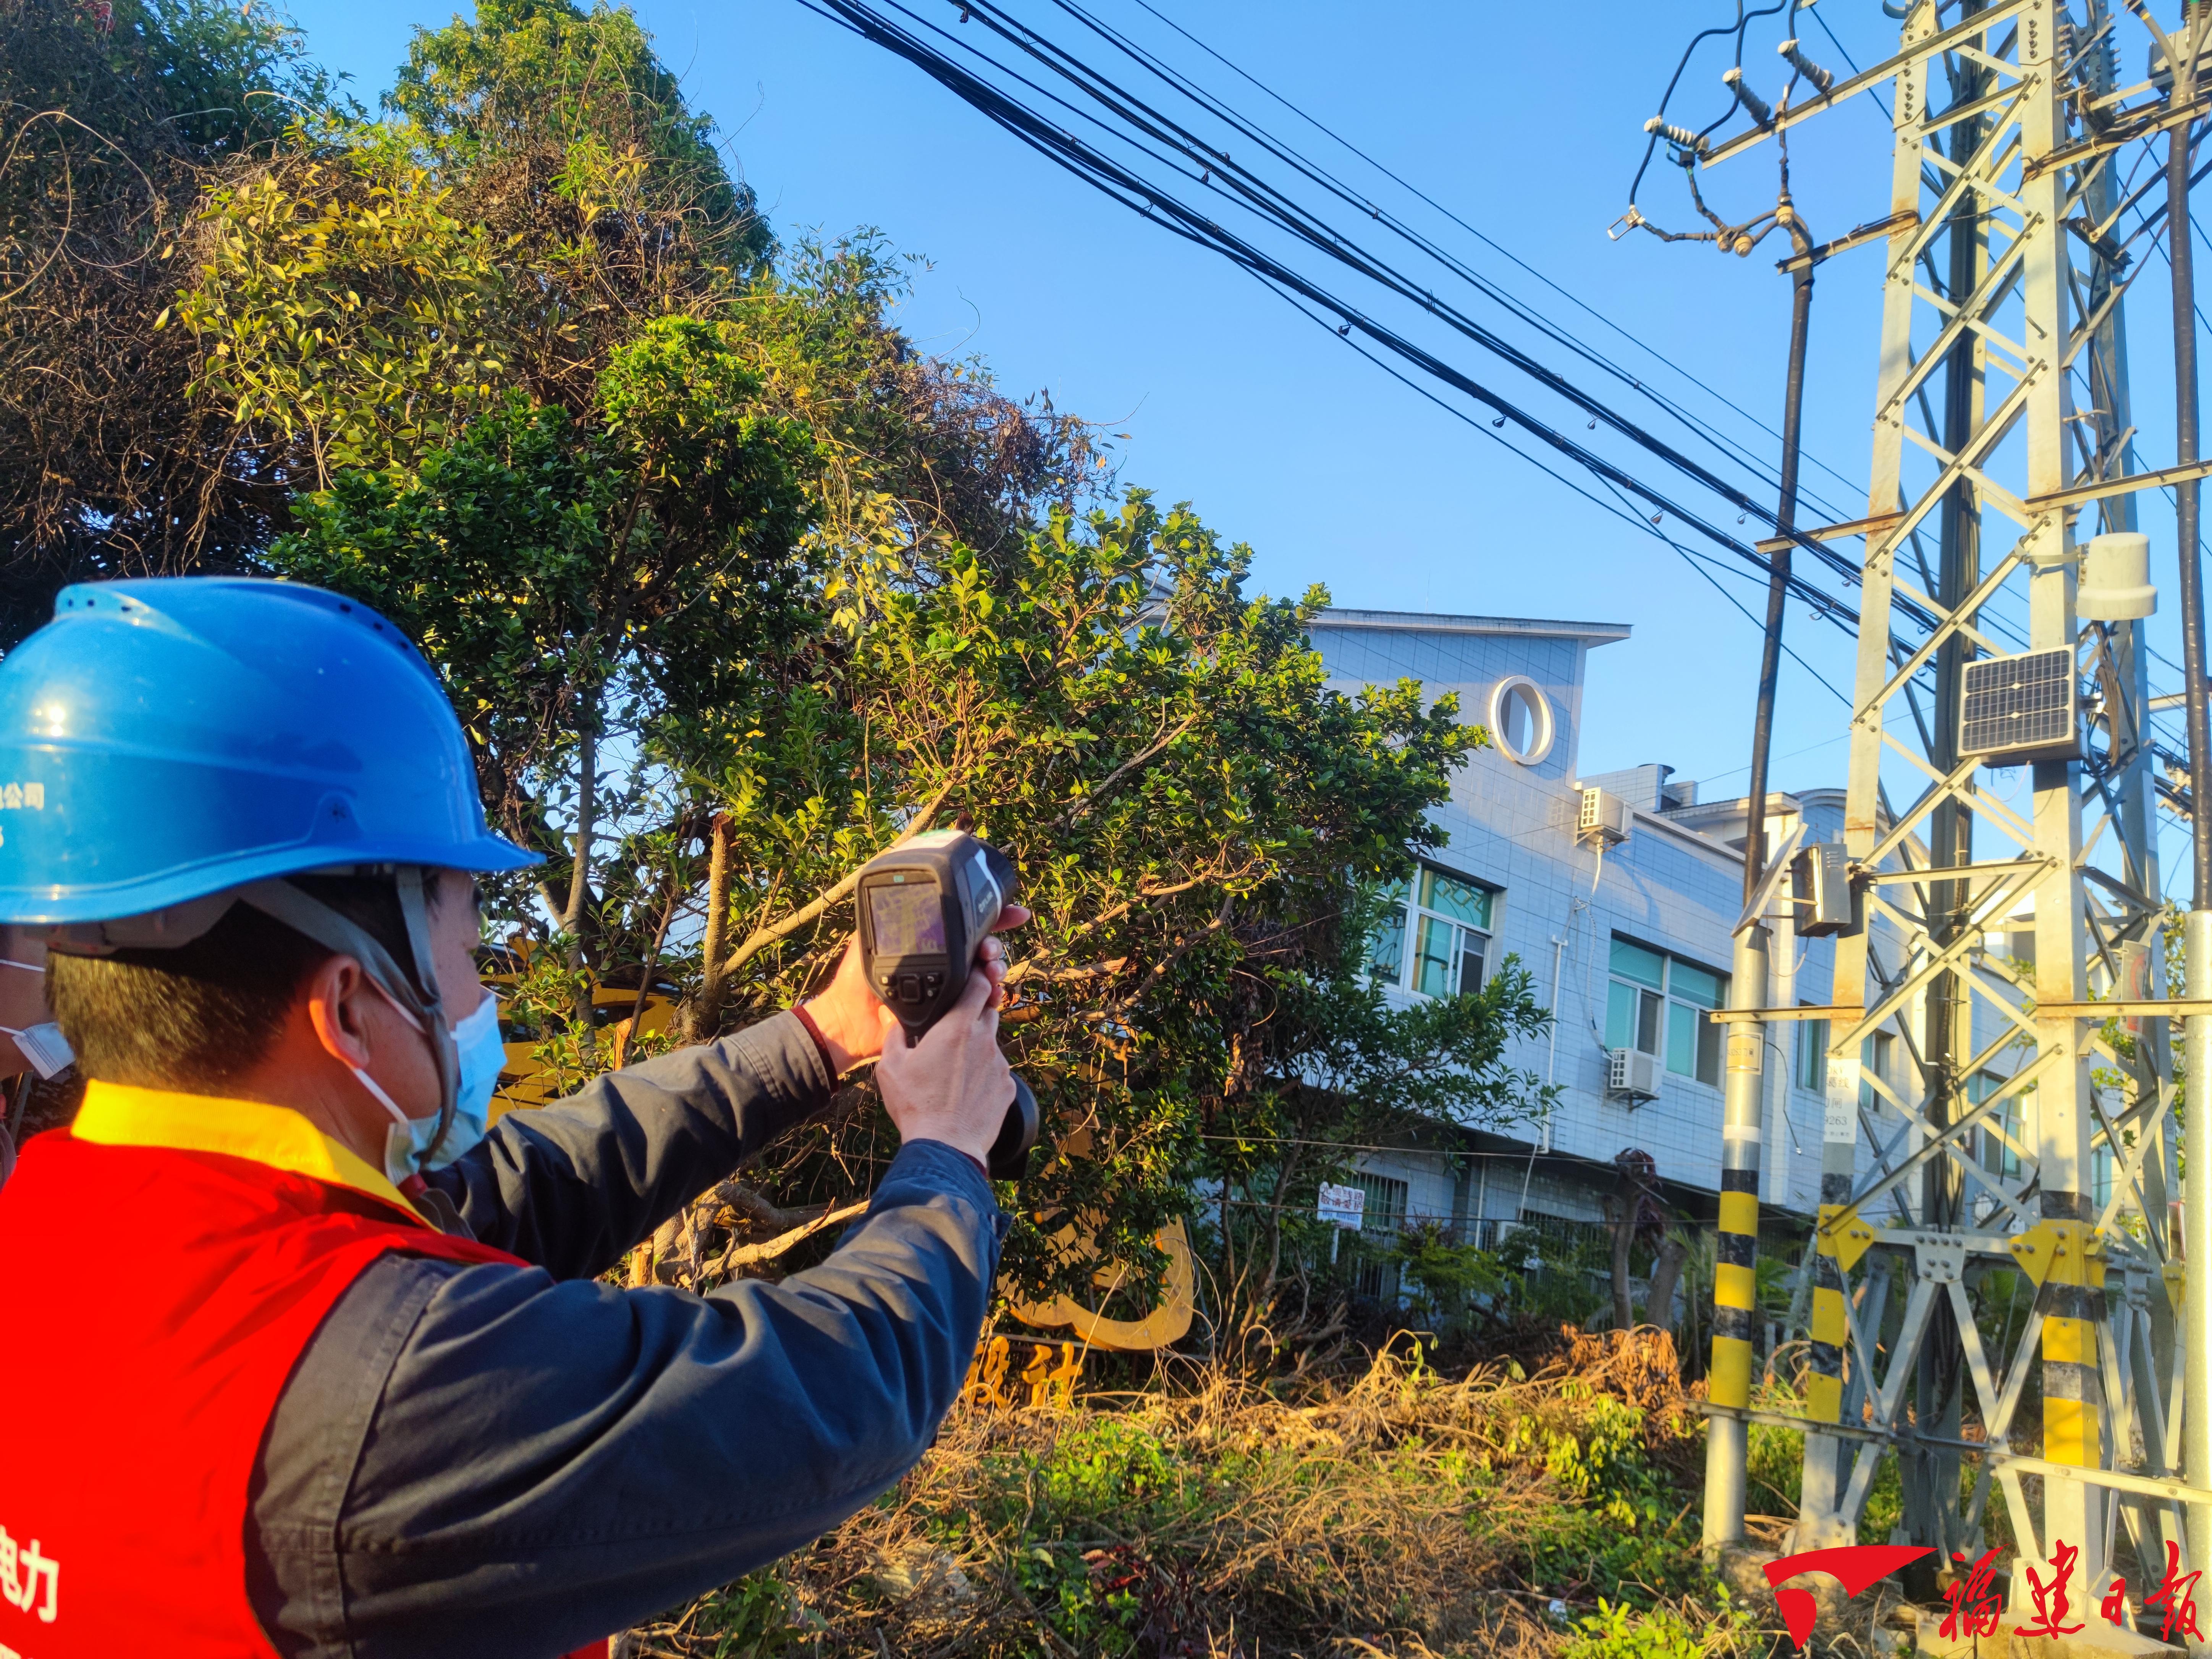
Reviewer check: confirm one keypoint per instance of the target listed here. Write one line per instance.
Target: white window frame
(1705, 1045)
(1411, 916)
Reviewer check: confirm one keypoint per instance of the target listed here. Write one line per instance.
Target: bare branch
(1075, 813)
(739, 1255)
(760, 938)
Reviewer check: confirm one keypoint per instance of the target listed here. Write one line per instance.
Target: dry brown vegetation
(1397, 1512)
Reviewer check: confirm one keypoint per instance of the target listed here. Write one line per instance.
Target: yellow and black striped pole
(1840, 1239)
(1736, 1273)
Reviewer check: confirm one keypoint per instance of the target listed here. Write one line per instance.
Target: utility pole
(1736, 1277)
(1736, 1302)
(2181, 49)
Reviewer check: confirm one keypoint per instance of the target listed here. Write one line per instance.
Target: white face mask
(408, 1140)
(43, 1045)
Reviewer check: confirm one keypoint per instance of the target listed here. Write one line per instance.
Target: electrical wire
(1273, 206)
(1696, 561)
(1501, 250)
(1767, 472)
(1152, 201)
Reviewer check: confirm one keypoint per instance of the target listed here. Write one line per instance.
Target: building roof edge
(1425, 621)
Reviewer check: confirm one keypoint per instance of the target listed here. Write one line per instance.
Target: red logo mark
(2175, 1597)
(1972, 1596)
(1853, 1565)
(2051, 1602)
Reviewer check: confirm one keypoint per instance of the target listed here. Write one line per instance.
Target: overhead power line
(1265, 199)
(1350, 196)
(1192, 162)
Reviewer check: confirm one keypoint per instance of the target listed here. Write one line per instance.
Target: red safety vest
(166, 1262)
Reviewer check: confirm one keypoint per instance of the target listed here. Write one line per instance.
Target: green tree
(344, 316)
(606, 595)
(1322, 1065)
(562, 134)
(733, 588)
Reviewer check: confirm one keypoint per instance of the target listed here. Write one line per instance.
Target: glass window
(1451, 940)
(1877, 1058)
(1995, 1155)
(1653, 996)
(1386, 946)
(1455, 899)
(1621, 1015)
(1813, 1054)
(1693, 1043)
(1435, 970)
(1633, 962)
(1682, 1040)
(1688, 984)
(1513, 710)
(1385, 1209)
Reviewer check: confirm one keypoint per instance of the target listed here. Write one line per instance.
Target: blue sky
(1524, 121)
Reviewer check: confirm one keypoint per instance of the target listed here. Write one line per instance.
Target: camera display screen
(908, 919)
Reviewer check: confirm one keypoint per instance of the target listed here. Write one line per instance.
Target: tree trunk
(707, 1010)
(1624, 1237)
(580, 877)
(1666, 1273)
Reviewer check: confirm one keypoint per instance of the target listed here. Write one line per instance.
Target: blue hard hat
(167, 739)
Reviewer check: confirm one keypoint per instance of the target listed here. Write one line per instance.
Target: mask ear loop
(414, 996)
(370, 1083)
(414, 907)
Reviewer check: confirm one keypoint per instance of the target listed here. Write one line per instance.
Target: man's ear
(334, 995)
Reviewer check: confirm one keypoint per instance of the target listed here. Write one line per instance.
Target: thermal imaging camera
(925, 909)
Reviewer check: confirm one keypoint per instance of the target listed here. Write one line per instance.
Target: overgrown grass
(1406, 1512)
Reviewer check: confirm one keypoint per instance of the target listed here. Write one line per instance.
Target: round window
(1521, 720)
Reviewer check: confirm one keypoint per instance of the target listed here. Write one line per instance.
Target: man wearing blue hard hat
(319, 1363)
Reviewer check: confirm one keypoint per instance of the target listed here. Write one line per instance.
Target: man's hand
(850, 1016)
(954, 1085)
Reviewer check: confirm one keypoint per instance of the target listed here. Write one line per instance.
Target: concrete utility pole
(1735, 1274)
(2007, 128)
(2181, 52)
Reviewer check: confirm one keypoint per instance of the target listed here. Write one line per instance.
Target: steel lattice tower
(2002, 427)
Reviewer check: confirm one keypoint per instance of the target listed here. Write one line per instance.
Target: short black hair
(199, 1016)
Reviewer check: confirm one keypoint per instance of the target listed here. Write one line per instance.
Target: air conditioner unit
(2021, 708)
(1820, 890)
(1631, 1075)
(1604, 818)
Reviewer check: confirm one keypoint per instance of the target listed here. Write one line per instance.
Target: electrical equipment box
(1820, 890)
(2115, 585)
(1603, 819)
(1631, 1075)
(2021, 708)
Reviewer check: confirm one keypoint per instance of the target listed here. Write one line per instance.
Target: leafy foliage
(563, 136)
(341, 313)
(1620, 1631)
